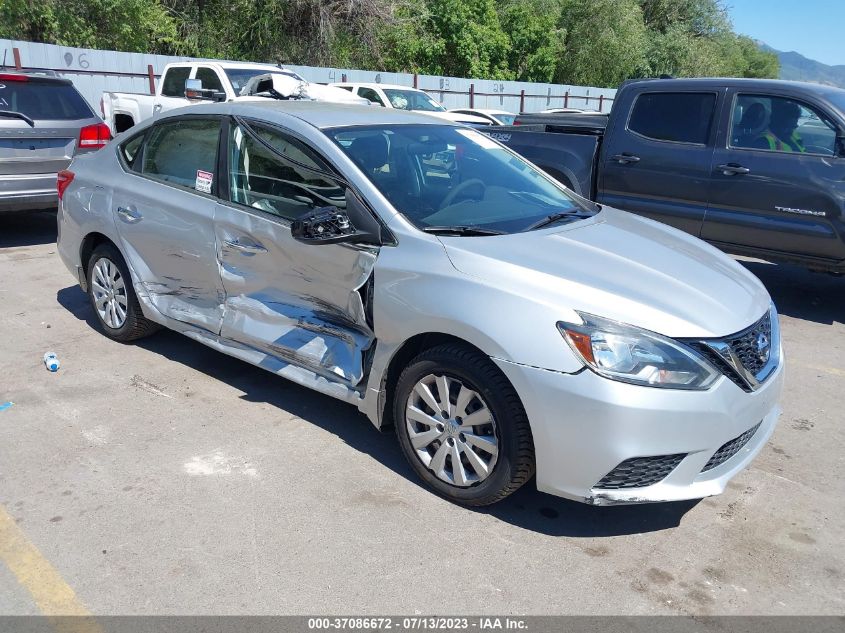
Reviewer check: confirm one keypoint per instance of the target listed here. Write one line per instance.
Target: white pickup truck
(212, 81)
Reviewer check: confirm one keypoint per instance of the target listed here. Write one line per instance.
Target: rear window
(44, 101)
(681, 117)
(183, 152)
(174, 81)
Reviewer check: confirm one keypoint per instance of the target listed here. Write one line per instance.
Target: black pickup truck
(756, 167)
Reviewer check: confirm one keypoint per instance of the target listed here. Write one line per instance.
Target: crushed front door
(302, 305)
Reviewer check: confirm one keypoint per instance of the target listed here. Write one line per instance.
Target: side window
(184, 153)
(348, 88)
(681, 117)
(287, 180)
(209, 79)
(174, 81)
(130, 150)
(779, 124)
(370, 95)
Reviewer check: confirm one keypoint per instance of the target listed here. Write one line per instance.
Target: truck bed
(565, 122)
(569, 155)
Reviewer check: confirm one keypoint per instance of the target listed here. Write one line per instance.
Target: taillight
(8, 77)
(94, 136)
(63, 179)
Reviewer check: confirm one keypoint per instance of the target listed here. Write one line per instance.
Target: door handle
(245, 248)
(129, 215)
(625, 158)
(732, 169)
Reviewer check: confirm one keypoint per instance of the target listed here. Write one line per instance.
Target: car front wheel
(462, 426)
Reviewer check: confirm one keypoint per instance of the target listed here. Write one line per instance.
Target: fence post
(152, 77)
(416, 80)
(472, 95)
(566, 100)
(522, 100)
(17, 54)
(601, 102)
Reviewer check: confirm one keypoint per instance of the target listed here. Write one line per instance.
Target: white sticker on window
(478, 138)
(204, 179)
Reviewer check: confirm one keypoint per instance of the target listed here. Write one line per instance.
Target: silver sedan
(443, 285)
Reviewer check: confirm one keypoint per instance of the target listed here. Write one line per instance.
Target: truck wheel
(113, 298)
(462, 427)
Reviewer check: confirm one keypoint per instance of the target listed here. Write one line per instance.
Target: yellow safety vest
(776, 145)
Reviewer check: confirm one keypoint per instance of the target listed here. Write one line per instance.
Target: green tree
(536, 42)
(474, 44)
(129, 25)
(605, 42)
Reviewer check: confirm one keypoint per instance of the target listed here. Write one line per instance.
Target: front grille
(722, 365)
(746, 345)
(729, 449)
(640, 472)
(744, 357)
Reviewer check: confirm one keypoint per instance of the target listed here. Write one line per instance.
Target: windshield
(837, 98)
(446, 176)
(504, 119)
(412, 100)
(51, 101)
(240, 76)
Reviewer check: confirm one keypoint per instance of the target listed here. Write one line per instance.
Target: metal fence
(95, 71)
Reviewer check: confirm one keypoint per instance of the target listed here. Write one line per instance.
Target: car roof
(320, 114)
(482, 110)
(214, 62)
(734, 82)
(378, 85)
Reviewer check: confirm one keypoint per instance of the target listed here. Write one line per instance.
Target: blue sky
(810, 27)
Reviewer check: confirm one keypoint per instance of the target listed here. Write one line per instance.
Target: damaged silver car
(431, 277)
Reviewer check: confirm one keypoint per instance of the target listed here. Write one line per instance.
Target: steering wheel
(452, 195)
(818, 149)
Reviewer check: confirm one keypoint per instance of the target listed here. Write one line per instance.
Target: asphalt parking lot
(167, 478)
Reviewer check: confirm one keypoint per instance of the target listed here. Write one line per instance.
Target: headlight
(629, 354)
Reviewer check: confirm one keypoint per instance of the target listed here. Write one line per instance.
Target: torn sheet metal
(297, 303)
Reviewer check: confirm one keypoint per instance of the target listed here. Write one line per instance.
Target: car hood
(622, 267)
(459, 118)
(319, 92)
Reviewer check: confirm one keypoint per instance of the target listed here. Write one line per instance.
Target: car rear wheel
(462, 427)
(113, 298)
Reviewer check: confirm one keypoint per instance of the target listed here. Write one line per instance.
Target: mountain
(799, 68)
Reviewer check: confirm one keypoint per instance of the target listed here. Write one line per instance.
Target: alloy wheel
(109, 292)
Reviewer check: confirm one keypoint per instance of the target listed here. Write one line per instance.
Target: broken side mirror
(194, 90)
(332, 225)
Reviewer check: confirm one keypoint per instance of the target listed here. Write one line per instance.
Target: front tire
(462, 427)
(113, 298)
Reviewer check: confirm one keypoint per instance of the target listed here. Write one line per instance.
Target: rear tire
(462, 427)
(113, 298)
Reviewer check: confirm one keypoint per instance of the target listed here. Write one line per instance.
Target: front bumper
(584, 426)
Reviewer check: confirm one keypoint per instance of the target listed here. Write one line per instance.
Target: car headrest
(753, 119)
(370, 152)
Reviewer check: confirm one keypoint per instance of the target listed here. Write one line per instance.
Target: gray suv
(44, 123)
